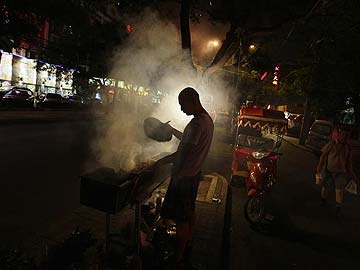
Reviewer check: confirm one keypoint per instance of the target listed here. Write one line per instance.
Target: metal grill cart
(110, 192)
(257, 128)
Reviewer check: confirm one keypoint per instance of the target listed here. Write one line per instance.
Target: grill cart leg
(107, 232)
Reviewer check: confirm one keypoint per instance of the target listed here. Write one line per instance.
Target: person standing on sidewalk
(335, 165)
(179, 202)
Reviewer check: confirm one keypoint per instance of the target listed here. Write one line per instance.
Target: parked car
(75, 101)
(51, 100)
(93, 103)
(3, 93)
(18, 97)
(319, 134)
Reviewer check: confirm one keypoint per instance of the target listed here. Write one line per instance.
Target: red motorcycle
(261, 179)
(258, 137)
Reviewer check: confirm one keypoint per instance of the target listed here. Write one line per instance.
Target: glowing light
(275, 81)
(252, 48)
(213, 43)
(263, 76)
(129, 28)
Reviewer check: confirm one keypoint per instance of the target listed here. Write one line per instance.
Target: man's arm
(167, 159)
(321, 163)
(325, 151)
(178, 134)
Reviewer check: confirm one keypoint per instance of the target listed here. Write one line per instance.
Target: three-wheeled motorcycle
(258, 138)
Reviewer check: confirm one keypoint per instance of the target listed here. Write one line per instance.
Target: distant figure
(179, 203)
(335, 165)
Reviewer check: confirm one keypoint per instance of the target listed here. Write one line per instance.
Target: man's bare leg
(324, 194)
(192, 225)
(339, 196)
(182, 238)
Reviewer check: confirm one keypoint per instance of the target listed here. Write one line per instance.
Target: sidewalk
(207, 238)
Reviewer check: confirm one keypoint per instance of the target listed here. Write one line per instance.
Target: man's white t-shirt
(198, 133)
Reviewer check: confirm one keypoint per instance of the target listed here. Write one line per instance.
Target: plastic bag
(318, 180)
(351, 187)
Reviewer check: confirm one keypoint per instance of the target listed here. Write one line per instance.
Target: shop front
(39, 77)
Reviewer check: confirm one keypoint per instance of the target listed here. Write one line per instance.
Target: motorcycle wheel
(254, 210)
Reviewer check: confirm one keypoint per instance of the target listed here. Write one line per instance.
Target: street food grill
(110, 191)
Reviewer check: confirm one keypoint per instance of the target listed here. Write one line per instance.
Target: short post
(107, 233)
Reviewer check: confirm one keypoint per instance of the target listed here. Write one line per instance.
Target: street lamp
(252, 48)
(213, 44)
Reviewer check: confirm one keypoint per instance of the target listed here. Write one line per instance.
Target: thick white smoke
(152, 57)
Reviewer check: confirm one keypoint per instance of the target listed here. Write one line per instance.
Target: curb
(51, 119)
(40, 121)
(304, 148)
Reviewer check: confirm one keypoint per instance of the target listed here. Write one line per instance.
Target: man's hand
(178, 134)
(165, 160)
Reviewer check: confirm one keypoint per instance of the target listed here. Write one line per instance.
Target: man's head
(189, 101)
(342, 134)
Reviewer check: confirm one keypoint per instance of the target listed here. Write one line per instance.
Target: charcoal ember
(157, 130)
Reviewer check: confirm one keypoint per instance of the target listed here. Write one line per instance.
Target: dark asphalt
(41, 164)
(303, 235)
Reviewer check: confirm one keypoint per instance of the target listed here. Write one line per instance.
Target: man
(335, 165)
(179, 203)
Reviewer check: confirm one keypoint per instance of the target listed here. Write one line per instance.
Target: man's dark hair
(190, 93)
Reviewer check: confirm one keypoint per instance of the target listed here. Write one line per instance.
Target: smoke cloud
(152, 57)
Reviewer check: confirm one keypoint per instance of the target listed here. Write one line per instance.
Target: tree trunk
(228, 48)
(306, 121)
(185, 31)
(185, 25)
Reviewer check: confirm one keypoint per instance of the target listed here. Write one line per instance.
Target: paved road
(40, 165)
(303, 235)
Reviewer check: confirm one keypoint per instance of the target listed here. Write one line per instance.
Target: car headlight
(260, 154)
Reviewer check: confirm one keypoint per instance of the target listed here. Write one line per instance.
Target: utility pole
(306, 121)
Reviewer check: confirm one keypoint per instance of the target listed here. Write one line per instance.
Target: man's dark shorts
(339, 179)
(179, 202)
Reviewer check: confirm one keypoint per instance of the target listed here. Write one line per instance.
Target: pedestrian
(335, 166)
(179, 202)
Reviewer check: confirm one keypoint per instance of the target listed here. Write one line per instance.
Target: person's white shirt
(198, 133)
